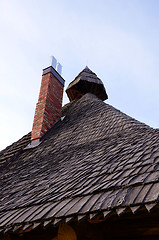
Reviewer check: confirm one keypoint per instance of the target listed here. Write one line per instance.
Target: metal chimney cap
(59, 68)
(53, 62)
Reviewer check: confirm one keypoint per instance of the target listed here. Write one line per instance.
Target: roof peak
(86, 82)
(88, 70)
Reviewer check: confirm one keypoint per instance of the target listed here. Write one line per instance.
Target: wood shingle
(95, 160)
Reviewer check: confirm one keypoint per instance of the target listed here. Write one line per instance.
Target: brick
(49, 106)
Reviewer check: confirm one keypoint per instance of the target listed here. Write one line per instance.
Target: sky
(117, 39)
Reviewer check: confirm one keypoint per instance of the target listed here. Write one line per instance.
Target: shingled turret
(86, 82)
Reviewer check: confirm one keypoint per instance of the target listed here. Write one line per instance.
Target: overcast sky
(117, 39)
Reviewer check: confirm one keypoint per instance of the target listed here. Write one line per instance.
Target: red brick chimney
(49, 106)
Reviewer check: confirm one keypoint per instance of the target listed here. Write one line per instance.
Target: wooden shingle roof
(86, 82)
(94, 160)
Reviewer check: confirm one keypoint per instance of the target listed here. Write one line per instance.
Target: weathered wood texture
(142, 225)
(86, 82)
(96, 159)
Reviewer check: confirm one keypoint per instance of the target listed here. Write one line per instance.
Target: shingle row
(96, 160)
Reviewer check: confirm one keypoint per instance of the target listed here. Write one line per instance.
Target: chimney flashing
(55, 73)
(33, 144)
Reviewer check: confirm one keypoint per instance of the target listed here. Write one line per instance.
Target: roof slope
(95, 159)
(11, 151)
